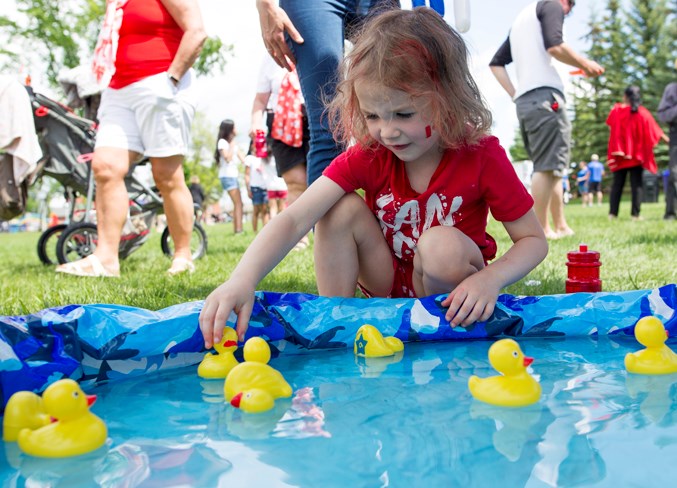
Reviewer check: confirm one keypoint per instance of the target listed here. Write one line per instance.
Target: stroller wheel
(198, 242)
(76, 242)
(47, 244)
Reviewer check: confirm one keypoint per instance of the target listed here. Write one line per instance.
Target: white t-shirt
(227, 169)
(270, 79)
(275, 183)
(257, 175)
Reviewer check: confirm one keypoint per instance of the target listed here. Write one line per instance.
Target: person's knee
(443, 255)
(343, 212)
(107, 169)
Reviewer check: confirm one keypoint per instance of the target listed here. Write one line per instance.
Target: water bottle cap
(583, 255)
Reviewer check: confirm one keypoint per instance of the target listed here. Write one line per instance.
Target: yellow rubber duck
(219, 365)
(24, 410)
(256, 349)
(370, 343)
(76, 430)
(515, 387)
(657, 358)
(253, 386)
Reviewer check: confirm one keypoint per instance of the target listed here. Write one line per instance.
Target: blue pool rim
(97, 343)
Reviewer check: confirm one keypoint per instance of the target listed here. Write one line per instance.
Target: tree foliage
(637, 46)
(200, 158)
(62, 34)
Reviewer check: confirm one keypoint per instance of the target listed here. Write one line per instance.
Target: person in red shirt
(633, 133)
(430, 175)
(144, 54)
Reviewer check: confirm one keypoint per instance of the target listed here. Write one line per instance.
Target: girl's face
(399, 122)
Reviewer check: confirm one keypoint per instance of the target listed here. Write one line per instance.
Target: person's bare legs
(236, 197)
(110, 165)
(296, 180)
(349, 246)
(178, 204)
(543, 185)
(265, 214)
(275, 205)
(559, 222)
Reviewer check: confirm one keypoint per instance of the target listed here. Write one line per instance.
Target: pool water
(402, 421)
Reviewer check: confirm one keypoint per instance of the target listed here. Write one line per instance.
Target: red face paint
(428, 131)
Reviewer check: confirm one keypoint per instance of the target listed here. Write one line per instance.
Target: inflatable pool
(94, 344)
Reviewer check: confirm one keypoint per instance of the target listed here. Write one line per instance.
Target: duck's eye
(75, 394)
(515, 354)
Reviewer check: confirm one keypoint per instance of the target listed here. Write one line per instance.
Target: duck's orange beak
(528, 360)
(235, 401)
(90, 399)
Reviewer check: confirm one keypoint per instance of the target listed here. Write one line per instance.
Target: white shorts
(150, 117)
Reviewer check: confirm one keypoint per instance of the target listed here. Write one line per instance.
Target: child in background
(430, 175)
(277, 188)
(255, 179)
(582, 178)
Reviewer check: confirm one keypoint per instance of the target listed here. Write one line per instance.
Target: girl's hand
(472, 300)
(231, 296)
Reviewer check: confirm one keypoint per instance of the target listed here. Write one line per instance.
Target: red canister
(260, 146)
(583, 270)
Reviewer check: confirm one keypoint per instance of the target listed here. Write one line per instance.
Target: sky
(230, 95)
(236, 22)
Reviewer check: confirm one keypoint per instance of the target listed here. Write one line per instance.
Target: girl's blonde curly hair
(417, 52)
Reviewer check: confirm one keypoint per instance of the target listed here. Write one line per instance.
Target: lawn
(635, 255)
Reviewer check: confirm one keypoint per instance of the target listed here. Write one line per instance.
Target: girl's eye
(405, 116)
(371, 116)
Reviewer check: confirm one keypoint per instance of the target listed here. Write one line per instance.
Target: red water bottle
(260, 144)
(583, 270)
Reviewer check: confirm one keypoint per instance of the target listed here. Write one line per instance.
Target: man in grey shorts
(535, 38)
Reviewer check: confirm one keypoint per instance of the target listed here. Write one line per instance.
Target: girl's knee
(447, 254)
(345, 210)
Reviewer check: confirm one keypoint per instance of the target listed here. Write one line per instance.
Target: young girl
(255, 179)
(226, 151)
(429, 172)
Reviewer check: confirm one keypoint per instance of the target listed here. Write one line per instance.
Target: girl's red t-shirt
(468, 183)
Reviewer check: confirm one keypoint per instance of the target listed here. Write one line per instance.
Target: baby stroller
(67, 143)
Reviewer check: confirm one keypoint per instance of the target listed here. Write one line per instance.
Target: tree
(61, 33)
(518, 152)
(635, 47)
(200, 158)
(594, 97)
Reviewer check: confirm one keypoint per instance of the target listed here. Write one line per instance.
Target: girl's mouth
(399, 147)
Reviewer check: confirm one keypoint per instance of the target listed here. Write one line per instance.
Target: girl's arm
(269, 247)
(475, 297)
(258, 110)
(227, 153)
(247, 180)
(240, 155)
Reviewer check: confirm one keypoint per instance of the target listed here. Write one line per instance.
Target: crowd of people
(405, 123)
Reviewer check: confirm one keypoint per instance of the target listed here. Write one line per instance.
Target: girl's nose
(389, 130)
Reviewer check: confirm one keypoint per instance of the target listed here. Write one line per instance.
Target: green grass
(635, 255)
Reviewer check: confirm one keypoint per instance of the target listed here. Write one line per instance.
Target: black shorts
(286, 157)
(595, 186)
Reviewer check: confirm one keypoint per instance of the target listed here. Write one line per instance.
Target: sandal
(89, 266)
(181, 265)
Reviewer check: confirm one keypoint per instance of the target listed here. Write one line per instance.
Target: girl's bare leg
(444, 257)
(349, 246)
